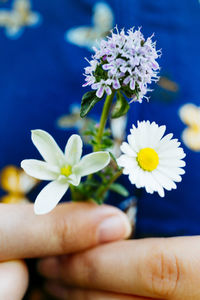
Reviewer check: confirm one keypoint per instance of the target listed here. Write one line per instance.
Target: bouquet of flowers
(119, 73)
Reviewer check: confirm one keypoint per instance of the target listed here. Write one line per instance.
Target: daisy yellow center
(148, 159)
(66, 170)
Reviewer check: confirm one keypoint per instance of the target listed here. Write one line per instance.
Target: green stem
(103, 190)
(104, 117)
(72, 190)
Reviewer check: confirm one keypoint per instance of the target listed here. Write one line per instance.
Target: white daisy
(63, 169)
(151, 160)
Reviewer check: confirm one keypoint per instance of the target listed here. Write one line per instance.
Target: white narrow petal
(74, 179)
(49, 197)
(40, 169)
(92, 163)
(47, 147)
(73, 149)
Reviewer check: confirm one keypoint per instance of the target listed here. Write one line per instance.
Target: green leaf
(90, 132)
(121, 107)
(107, 132)
(93, 142)
(89, 99)
(120, 189)
(107, 142)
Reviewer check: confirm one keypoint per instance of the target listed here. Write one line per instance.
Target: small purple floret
(128, 59)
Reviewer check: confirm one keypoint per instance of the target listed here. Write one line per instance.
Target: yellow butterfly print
(190, 115)
(87, 36)
(18, 17)
(17, 184)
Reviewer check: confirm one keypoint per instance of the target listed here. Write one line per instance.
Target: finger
(14, 280)
(70, 227)
(61, 292)
(157, 268)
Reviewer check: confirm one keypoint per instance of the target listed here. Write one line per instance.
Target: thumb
(155, 268)
(69, 228)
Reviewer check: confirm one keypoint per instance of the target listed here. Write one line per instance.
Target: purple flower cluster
(125, 62)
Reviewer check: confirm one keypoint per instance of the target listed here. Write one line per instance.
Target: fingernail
(114, 228)
(49, 267)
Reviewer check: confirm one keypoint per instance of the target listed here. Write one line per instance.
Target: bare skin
(25, 235)
(60, 291)
(14, 280)
(148, 268)
(71, 235)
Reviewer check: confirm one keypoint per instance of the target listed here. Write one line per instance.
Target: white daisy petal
(164, 181)
(47, 147)
(179, 171)
(164, 141)
(161, 192)
(92, 163)
(139, 179)
(167, 145)
(153, 185)
(73, 149)
(175, 153)
(49, 197)
(161, 131)
(40, 169)
(125, 147)
(171, 162)
(133, 175)
(172, 173)
(127, 161)
(154, 134)
(151, 160)
(132, 142)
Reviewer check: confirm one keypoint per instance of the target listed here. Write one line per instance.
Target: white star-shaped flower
(63, 169)
(152, 161)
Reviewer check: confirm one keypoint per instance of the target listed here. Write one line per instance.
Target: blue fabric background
(41, 75)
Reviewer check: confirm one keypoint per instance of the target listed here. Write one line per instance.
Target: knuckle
(90, 272)
(162, 272)
(83, 270)
(61, 231)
